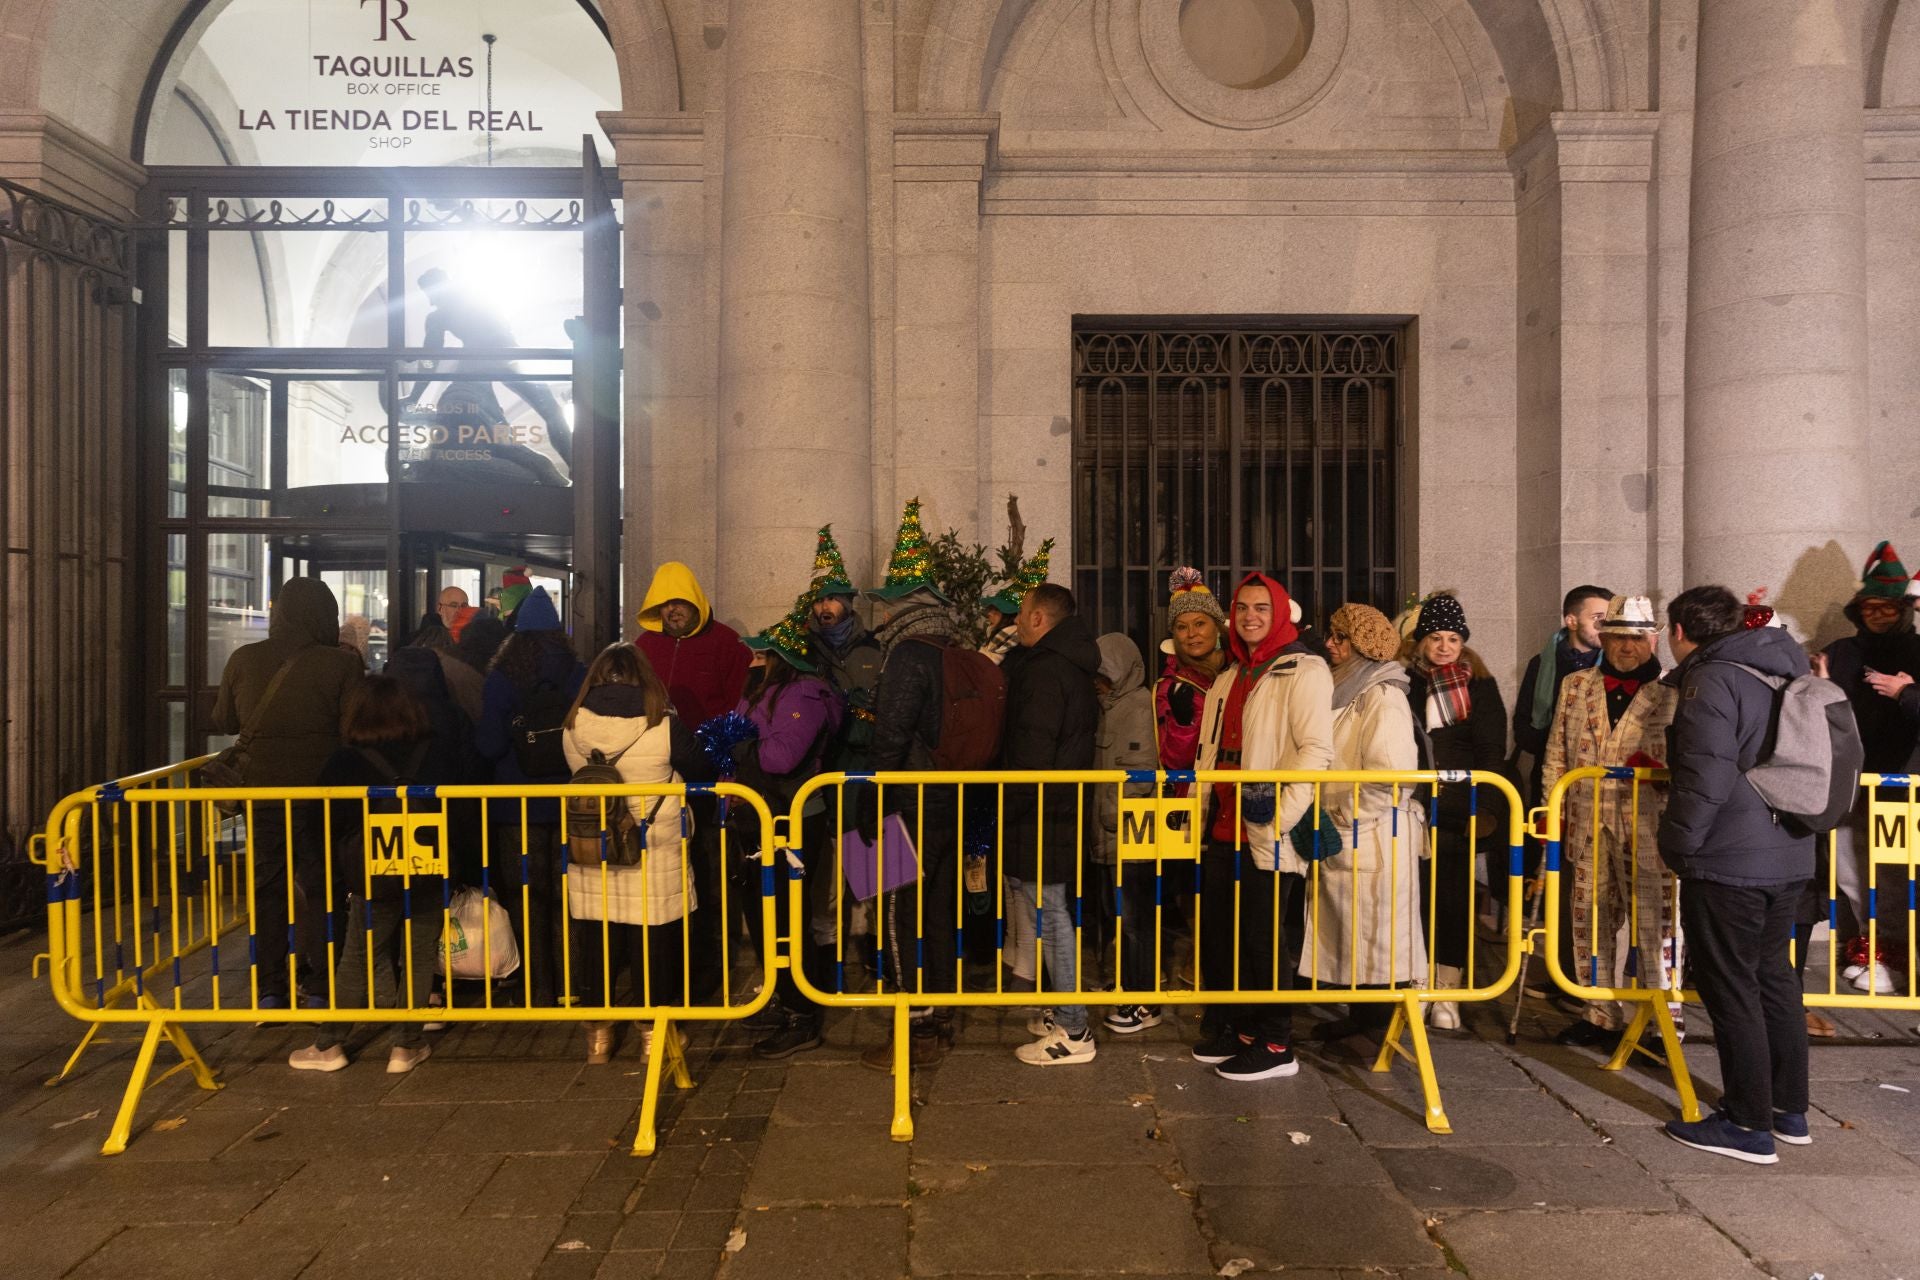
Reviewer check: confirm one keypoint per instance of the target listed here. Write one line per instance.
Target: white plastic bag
(466, 941)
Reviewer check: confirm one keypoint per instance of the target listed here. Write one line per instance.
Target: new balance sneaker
(1791, 1127)
(1258, 1060)
(313, 1058)
(400, 1061)
(1722, 1137)
(1129, 1018)
(1057, 1047)
(1041, 1023)
(1217, 1048)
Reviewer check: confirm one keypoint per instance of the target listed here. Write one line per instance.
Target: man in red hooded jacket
(700, 659)
(1271, 711)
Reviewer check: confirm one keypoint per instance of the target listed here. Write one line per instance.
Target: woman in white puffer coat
(622, 713)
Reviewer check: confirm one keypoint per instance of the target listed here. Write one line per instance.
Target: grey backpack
(1809, 767)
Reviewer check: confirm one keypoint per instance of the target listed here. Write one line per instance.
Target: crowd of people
(1246, 685)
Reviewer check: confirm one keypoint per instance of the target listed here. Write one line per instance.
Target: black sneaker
(1585, 1035)
(771, 1017)
(797, 1036)
(1219, 1047)
(1259, 1060)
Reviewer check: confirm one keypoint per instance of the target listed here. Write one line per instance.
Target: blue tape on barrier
(1516, 860)
(1593, 971)
(1633, 962)
(423, 793)
(1895, 780)
(1142, 775)
(384, 793)
(446, 890)
(176, 972)
(56, 891)
(1118, 897)
(139, 983)
(253, 951)
(699, 788)
(110, 794)
(1038, 928)
(100, 990)
(860, 775)
(213, 958)
(1553, 855)
(1833, 913)
(329, 928)
(1180, 775)
(919, 955)
(767, 888)
(1159, 889)
(1619, 771)
(1079, 911)
(293, 941)
(1913, 897)
(1473, 801)
(960, 940)
(406, 902)
(839, 977)
(1873, 903)
(795, 872)
(999, 935)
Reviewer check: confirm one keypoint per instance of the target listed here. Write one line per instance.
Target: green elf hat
(1032, 573)
(910, 568)
(788, 637)
(1884, 577)
(830, 576)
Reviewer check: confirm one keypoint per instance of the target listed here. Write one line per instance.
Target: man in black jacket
(1053, 716)
(1741, 874)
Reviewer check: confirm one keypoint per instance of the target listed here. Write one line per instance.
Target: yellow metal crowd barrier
(953, 824)
(153, 879)
(1628, 944)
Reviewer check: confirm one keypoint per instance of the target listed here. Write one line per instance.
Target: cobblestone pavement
(504, 1155)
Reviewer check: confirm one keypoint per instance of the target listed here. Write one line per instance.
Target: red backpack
(973, 706)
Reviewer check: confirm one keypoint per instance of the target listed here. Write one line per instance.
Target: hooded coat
(1363, 925)
(301, 729)
(502, 700)
(1053, 719)
(1286, 724)
(1716, 826)
(1889, 728)
(660, 889)
(705, 671)
(1125, 737)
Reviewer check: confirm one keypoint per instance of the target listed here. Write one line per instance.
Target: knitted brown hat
(1370, 630)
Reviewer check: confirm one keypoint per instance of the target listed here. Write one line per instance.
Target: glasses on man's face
(1879, 608)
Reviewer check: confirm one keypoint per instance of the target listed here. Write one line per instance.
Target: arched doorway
(343, 195)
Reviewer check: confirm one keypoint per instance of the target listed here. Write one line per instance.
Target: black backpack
(537, 731)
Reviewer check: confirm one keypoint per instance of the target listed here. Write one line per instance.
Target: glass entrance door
(368, 376)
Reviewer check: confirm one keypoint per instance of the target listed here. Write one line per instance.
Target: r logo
(391, 14)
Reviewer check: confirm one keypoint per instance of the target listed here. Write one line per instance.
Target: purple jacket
(796, 723)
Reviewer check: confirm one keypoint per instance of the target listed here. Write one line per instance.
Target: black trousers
(1737, 960)
(653, 957)
(530, 857)
(1446, 898)
(273, 836)
(1266, 961)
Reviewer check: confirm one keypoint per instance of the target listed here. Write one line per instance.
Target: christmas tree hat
(830, 576)
(1032, 572)
(910, 568)
(1884, 577)
(788, 637)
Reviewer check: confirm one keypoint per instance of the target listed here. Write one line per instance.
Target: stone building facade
(1654, 260)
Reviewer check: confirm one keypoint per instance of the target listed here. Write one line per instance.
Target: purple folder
(896, 862)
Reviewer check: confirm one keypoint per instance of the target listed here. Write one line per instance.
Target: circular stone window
(1246, 44)
(1243, 64)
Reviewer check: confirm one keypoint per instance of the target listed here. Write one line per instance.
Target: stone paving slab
(1316, 1226)
(849, 1244)
(1494, 1117)
(539, 1186)
(827, 1163)
(1182, 1087)
(1262, 1151)
(1467, 1177)
(310, 1132)
(995, 1075)
(162, 1193)
(834, 1091)
(1039, 1133)
(430, 1250)
(1020, 1219)
(533, 1126)
(1815, 1216)
(1539, 1245)
(244, 1252)
(351, 1188)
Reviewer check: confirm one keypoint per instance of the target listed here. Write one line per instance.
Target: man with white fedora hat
(1615, 714)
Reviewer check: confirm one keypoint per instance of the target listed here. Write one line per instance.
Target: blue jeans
(1056, 944)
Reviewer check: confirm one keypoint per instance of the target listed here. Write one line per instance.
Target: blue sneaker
(1723, 1137)
(1791, 1127)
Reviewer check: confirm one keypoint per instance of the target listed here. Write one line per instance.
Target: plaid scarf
(1447, 689)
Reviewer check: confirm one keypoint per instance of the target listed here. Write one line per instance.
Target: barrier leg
(665, 1045)
(123, 1122)
(1437, 1121)
(74, 1061)
(1630, 1038)
(1390, 1042)
(190, 1058)
(902, 1075)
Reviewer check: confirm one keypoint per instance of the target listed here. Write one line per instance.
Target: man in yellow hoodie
(701, 661)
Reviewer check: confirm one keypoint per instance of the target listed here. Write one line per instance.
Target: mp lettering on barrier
(1159, 828)
(1890, 827)
(406, 844)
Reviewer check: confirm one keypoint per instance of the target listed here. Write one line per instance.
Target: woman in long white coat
(623, 714)
(1363, 907)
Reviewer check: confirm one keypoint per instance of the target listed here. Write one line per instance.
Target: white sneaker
(1041, 1023)
(1853, 971)
(401, 1061)
(1878, 980)
(1129, 1018)
(313, 1058)
(1057, 1047)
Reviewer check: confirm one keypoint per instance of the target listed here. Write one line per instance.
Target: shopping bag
(476, 921)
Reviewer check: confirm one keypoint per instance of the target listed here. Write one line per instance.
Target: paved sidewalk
(504, 1155)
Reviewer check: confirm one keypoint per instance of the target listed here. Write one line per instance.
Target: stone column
(795, 438)
(1776, 375)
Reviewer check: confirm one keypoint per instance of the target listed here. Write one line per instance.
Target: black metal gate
(66, 494)
(1235, 447)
